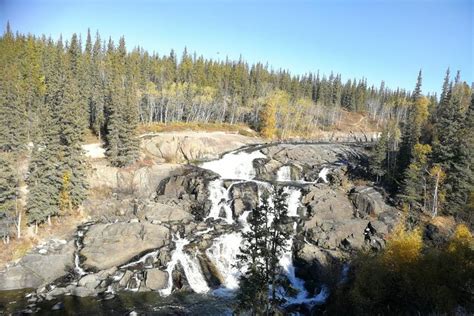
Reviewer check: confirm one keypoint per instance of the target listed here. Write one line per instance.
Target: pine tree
(74, 182)
(415, 188)
(416, 116)
(122, 116)
(45, 179)
(8, 194)
(13, 133)
(253, 291)
(378, 159)
(460, 176)
(264, 244)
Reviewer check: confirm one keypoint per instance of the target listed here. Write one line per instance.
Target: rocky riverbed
(178, 231)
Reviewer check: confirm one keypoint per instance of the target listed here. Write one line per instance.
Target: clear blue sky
(384, 39)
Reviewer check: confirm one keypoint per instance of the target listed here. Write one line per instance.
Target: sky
(386, 40)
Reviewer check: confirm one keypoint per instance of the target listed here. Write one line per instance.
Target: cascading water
(219, 197)
(284, 173)
(323, 175)
(235, 165)
(292, 200)
(223, 253)
(78, 243)
(147, 260)
(191, 268)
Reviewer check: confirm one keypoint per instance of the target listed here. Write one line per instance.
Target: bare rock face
(42, 265)
(156, 279)
(109, 245)
(368, 201)
(159, 212)
(244, 196)
(140, 182)
(179, 147)
(333, 224)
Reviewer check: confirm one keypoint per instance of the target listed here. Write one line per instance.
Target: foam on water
(223, 253)
(237, 166)
(191, 268)
(284, 173)
(219, 197)
(323, 175)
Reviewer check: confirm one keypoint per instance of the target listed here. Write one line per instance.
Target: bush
(408, 278)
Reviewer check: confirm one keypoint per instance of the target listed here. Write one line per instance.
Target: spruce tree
(411, 130)
(122, 116)
(13, 132)
(378, 159)
(45, 178)
(8, 194)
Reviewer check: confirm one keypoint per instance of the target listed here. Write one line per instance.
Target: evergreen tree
(264, 244)
(253, 291)
(8, 194)
(45, 178)
(416, 116)
(378, 159)
(13, 133)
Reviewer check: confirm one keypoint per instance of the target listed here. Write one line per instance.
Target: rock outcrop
(188, 146)
(44, 264)
(110, 245)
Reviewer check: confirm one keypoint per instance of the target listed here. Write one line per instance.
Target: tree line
(426, 160)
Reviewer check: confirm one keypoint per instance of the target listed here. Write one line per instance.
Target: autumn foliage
(408, 277)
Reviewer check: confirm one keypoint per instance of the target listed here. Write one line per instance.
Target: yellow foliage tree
(462, 238)
(403, 248)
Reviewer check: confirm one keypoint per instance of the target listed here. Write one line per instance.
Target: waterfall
(219, 197)
(223, 253)
(235, 165)
(323, 175)
(77, 262)
(284, 173)
(293, 200)
(224, 250)
(190, 266)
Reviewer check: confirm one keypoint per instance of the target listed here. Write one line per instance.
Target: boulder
(190, 184)
(125, 278)
(109, 245)
(156, 279)
(83, 291)
(368, 201)
(35, 269)
(90, 281)
(244, 197)
(331, 223)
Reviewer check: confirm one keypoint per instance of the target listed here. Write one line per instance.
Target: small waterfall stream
(190, 266)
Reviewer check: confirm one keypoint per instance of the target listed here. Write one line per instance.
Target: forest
(55, 92)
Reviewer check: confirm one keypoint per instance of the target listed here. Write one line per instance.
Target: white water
(190, 266)
(219, 196)
(236, 166)
(77, 263)
(223, 253)
(143, 260)
(284, 173)
(293, 200)
(323, 175)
